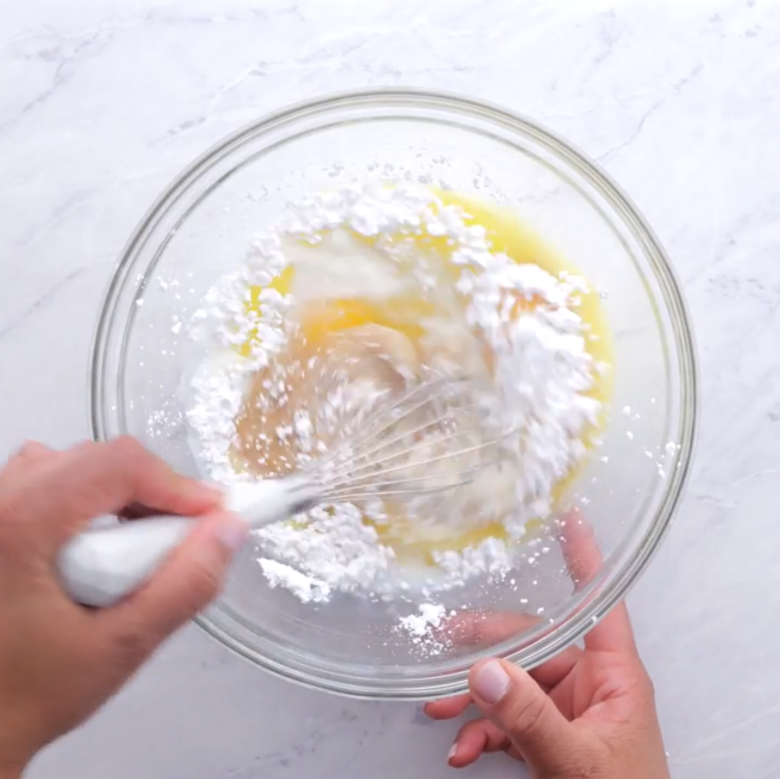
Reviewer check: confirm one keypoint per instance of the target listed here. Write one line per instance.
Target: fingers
(485, 630)
(33, 451)
(584, 560)
(136, 476)
(447, 708)
(473, 739)
(613, 634)
(580, 549)
(554, 671)
(28, 456)
(139, 511)
(185, 585)
(67, 491)
(546, 676)
(516, 705)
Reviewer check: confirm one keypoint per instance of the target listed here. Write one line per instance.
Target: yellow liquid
(507, 234)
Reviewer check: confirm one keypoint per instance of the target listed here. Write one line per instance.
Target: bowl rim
(593, 609)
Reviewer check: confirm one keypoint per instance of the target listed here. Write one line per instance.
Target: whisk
(433, 438)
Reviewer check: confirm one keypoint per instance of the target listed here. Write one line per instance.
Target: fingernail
(453, 752)
(492, 682)
(233, 533)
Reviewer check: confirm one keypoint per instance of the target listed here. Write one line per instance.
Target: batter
(359, 294)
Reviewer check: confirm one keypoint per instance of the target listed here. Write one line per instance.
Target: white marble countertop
(102, 103)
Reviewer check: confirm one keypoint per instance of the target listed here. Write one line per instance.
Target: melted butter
(282, 284)
(320, 319)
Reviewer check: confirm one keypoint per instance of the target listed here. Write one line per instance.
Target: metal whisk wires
(435, 437)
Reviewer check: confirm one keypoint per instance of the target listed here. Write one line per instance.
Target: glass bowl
(201, 227)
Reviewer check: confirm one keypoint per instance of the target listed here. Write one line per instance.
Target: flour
(364, 241)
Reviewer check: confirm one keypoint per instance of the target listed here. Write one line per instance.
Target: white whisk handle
(101, 566)
(271, 500)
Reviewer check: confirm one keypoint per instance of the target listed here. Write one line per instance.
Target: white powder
(542, 371)
(423, 629)
(336, 550)
(305, 588)
(429, 616)
(491, 556)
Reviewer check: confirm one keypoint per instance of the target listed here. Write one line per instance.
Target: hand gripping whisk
(433, 438)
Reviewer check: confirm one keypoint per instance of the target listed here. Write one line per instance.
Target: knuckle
(647, 689)
(127, 460)
(31, 449)
(11, 523)
(638, 681)
(130, 646)
(17, 536)
(135, 461)
(127, 449)
(23, 459)
(588, 771)
(527, 718)
(84, 447)
(204, 585)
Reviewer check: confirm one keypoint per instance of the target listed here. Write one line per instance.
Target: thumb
(185, 584)
(509, 697)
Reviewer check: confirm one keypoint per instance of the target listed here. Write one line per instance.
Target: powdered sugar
(491, 556)
(369, 242)
(429, 616)
(336, 549)
(305, 588)
(423, 628)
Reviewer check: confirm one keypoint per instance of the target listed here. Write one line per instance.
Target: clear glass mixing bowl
(201, 227)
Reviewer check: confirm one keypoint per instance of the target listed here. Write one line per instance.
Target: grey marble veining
(102, 103)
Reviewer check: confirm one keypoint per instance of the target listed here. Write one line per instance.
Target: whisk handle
(101, 566)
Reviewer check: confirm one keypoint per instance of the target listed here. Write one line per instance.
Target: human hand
(587, 714)
(60, 662)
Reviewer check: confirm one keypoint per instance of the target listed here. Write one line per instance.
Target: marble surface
(102, 103)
